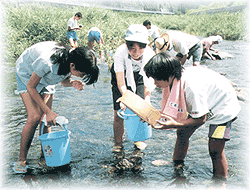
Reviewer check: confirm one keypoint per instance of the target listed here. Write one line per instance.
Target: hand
(79, 85)
(166, 122)
(51, 118)
(122, 105)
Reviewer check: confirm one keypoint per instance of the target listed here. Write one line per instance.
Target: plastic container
(142, 108)
(137, 130)
(56, 147)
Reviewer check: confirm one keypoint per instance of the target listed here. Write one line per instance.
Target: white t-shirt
(181, 42)
(208, 92)
(37, 59)
(72, 23)
(154, 32)
(122, 62)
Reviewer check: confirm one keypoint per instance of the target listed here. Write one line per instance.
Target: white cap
(217, 38)
(137, 33)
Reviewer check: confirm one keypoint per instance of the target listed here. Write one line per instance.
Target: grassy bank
(28, 24)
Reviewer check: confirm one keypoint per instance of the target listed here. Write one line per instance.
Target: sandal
(118, 152)
(20, 167)
(117, 148)
(140, 145)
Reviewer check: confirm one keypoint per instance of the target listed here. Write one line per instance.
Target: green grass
(30, 23)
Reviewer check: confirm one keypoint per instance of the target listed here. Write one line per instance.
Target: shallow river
(90, 118)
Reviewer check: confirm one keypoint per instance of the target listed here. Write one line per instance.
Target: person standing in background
(153, 31)
(71, 29)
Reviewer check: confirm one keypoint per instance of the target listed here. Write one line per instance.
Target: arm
(76, 28)
(170, 123)
(31, 88)
(183, 59)
(121, 86)
(215, 50)
(121, 82)
(210, 55)
(147, 94)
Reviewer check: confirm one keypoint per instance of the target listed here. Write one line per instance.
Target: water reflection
(49, 174)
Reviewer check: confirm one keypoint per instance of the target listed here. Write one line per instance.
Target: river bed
(90, 116)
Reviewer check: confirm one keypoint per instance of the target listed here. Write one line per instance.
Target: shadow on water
(90, 116)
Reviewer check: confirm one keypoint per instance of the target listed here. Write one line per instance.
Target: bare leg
(34, 116)
(196, 63)
(216, 152)
(118, 128)
(182, 143)
(100, 49)
(76, 44)
(91, 44)
(72, 43)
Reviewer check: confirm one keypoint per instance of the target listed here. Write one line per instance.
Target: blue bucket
(136, 129)
(56, 147)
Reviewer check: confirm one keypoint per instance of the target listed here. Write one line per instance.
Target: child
(127, 74)
(207, 44)
(153, 31)
(71, 27)
(185, 45)
(205, 95)
(38, 69)
(94, 34)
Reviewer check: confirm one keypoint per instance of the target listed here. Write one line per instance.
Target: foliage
(30, 23)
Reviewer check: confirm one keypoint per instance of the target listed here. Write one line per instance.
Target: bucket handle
(60, 121)
(120, 113)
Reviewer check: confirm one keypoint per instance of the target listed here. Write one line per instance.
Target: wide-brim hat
(162, 43)
(137, 33)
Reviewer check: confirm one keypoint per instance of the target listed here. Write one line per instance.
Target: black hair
(146, 22)
(130, 44)
(162, 66)
(83, 58)
(78, 14)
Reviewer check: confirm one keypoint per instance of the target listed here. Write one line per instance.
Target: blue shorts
(72, 34)
(221, 131)
(21, 88)
(94, 35)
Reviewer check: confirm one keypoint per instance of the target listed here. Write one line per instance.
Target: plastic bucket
(56, 147)
(137, 130)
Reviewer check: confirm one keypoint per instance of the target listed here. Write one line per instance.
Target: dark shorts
(116, 92)
(221, 131)
(195, 51)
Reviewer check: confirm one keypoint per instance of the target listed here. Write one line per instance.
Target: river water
(90, 118)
